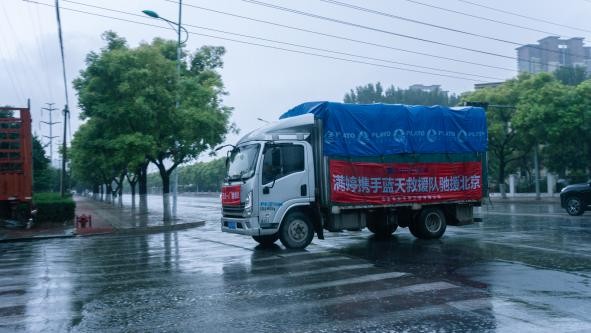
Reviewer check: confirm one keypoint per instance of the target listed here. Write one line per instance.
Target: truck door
(285, 180)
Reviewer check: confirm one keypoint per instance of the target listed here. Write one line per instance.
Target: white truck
(333, 166)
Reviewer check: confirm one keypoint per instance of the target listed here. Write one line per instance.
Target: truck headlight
(248, 204)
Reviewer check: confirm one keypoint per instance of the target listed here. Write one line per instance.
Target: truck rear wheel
(381, 224)
(430, 224)
(296, 231)
(266, 239)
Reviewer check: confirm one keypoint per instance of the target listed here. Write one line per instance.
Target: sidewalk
(105, 218)
(526, 198)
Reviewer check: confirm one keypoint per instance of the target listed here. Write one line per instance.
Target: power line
(523, 16)
(41, 49)
(361, 26)
(346, 38)
(268, 46)
(294, 11)
(12, 78)
(301, 46)
(402, 18)
(397, 17)
(481, 17)
(20, 52)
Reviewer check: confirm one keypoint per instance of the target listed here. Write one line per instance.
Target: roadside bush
(51, 207)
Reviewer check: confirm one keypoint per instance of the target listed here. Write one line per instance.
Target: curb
(36, 238)
(123, 231)
(158, 228)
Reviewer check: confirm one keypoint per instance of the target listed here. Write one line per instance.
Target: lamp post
(177, 27)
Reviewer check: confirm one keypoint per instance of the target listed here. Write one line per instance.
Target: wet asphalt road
(525, 268)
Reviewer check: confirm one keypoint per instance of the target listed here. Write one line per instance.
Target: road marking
(279, 256)
(537, 248)
(343, 282)
(345, 300)
(300, 263)
(548, 215)
(311, 272)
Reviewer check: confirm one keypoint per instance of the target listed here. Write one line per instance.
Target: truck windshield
(242, 162)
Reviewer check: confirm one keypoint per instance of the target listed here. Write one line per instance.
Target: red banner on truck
(385, 183)
(231, 195)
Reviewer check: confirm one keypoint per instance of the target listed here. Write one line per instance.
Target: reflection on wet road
(526, 267)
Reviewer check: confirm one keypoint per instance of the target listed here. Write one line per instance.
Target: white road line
(300, 263)
(343, 282)
(347, 299)
(310, 272)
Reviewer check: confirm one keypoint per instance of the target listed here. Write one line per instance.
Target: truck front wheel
(430, 224)
(266, 239)
(296, 231)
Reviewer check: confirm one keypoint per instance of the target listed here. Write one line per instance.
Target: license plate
(232, 225)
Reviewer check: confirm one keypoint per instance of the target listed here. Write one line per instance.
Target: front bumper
(247, 226)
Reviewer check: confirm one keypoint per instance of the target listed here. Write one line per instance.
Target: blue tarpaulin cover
(385, 129)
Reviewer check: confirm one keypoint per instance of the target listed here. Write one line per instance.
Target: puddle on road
(556, 293)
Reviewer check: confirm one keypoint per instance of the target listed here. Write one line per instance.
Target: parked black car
(576, 198)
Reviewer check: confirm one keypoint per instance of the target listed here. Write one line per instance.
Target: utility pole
(50, 109)
(537, 172)
(66, 108)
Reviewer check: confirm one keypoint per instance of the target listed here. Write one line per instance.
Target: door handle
(304, 190)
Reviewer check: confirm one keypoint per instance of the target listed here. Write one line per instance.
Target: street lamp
(177, 27)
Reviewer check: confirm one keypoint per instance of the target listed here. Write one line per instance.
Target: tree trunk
(102, 190)
(120, 190)
(95, 191)
(165, 192)
(109, 192)
(502, 177)
(132, 188)
(143, 186)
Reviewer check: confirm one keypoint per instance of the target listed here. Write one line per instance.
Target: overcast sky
(263, 82)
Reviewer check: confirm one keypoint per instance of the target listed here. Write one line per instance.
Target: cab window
(281, 160)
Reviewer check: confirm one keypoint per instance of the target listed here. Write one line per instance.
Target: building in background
(479, 86)
(424, 88)
(551, 53)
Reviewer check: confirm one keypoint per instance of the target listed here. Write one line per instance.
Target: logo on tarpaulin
(431, 135)
(363, 138)
(461, 136)
(399, 136)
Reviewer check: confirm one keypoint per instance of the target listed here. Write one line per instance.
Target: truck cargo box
(393, 154)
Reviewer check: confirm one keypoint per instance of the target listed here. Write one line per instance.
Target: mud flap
(318, 222)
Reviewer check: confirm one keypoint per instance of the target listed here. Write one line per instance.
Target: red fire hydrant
(83, 220)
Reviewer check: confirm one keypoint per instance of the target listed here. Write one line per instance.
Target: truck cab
(270, 180)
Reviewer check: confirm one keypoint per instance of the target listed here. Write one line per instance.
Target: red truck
(16, 164)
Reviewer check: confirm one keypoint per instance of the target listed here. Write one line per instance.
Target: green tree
(507, 146)
(371, 93)
(204, 176)
(571, 76)
(44, 175)
(557, 116)
(134, 90)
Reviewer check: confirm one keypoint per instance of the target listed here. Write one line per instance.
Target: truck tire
(574, 206)
(296, 231)
(379, 225)
(266, 239)
(430, 224)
